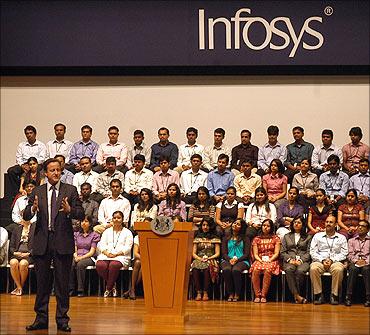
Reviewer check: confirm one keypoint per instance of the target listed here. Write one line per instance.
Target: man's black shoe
(37, 326)
(334, 299)
(64, 328)
(348, 301)
(317, 299)
(367, 302)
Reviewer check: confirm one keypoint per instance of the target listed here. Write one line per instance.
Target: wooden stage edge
(96, 315)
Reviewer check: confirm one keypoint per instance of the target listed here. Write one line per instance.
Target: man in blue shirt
(163, 148)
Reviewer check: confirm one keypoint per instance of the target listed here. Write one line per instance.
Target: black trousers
(353, 272)
(14, 175)
(80, 269)
(233, 276)
(62, 267)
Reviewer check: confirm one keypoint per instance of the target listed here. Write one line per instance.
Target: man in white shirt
(192, 179)
(271, 150)
(328, 250)
(113, 148)
(115, 202)
(103, 181)
(59, 146)
(86, 175)
(19, 206)
(25, 150)
(186, 151)
(212, 152)
(321, 153)
(139, 148)
(136, 179)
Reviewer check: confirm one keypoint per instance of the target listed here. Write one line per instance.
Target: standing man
(212, 152)
(321, 153)
(245, 151)
(163, 148)
(55, 204)
(59, 146)
(328, 251)
(30, 148)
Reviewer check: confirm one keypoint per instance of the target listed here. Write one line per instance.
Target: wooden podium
(165, 265)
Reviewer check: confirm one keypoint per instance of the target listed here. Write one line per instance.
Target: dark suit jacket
(289, 249)
(63, 235)
(16, 239)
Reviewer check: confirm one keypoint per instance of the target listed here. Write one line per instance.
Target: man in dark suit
(55, 205)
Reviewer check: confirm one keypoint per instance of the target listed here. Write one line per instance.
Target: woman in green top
(235, 258)
(206, 251)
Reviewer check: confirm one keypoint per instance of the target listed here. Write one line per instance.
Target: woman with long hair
(145, 209)
(173, 205)
(235, 258)
(34, 173)
(257, 212)
(202, 207)
(206, 251)
(295, 255)
(265, 251)
(318, 213)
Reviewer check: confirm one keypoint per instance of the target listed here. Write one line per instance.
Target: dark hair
(138, 132)
(326, 202)
(28, 182)
(367, 223)
(178, 218)
(208, 201)
(267, 203)
(60, 156)
(273, 130)
(86, 126)
(333, 158)
(32, 159)
(111, 159)
(294, 188)
(196, 156)
(327, 132)
(85, 184)
(242, 231)
(219, 131)
(32, 128)
(303, 232)
(308, 161)
(363, 160)
(279, 164)
(141, 205)
(354, 192)
(113, 128)
(120, 212)
(164, 128)
(177, 199)
(192, 130)
(298, 128)
(231, 188)
(49, 161)
(356, 131)
(272, 227)
(246, 131)
(164, 159)
(223, 156)
(139, 157)
(115, 180)
(247, 161)
(91, 223)
(60, 125)
(212, 229)
(85, 157)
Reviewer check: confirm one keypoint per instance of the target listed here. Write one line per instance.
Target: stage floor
(96, 315)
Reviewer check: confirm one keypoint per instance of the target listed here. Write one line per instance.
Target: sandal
(19, 292)
(114, 293)
(198, 297)
(126, 294)
(236, 298)
(14, 292)
(205, 297)
(257, 300)
(106, 294)
(132, 295)
(263, 300)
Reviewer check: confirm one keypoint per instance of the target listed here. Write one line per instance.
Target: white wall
(148, 103)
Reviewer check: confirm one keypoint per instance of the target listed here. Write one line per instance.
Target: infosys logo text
(294, 39)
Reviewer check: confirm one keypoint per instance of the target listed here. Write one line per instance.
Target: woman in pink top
(275, 183)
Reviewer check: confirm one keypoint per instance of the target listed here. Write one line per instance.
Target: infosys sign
(184, 35)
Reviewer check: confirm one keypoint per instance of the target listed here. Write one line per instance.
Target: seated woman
(307, 184)
(19, 254)
(257, 212)
(145, 210)
(115, 247)
(275, 183)
(287, 212)
(34, 174)
(202, 207)
(86, 241)
(228, 211)
(206, 251)
(173, 205)
(318, 213)
(295, 254)
(136, 275)
(349, 214)
(265, 251)
(235, 259)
